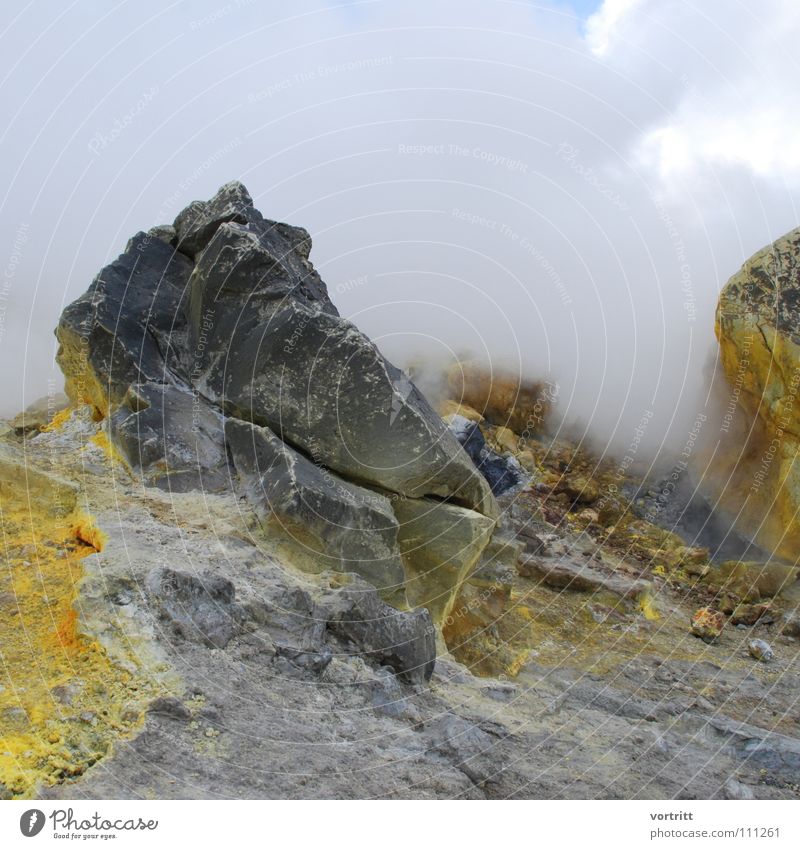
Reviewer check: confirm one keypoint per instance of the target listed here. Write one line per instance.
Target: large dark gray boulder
(221, 315)
(324, 387)
(226, 303)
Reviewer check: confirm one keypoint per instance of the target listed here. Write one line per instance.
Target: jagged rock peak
(215, 356)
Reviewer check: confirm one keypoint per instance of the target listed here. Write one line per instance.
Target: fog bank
(559, 189)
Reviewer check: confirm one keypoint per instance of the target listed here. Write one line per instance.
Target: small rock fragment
(698, 570)
(707, 624)
(736, 790)
(761, 650)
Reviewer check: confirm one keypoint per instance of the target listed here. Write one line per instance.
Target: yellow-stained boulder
(441, 544)
(506, 439)
(758, 328)
(24, 482)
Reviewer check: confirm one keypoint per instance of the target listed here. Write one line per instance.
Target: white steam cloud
(562, 190)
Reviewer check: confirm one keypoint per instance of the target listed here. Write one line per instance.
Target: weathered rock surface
(40, 412)
(405, 641)
(195, 226)
(228, 674)
(48, 491)
(324, 388)
(118, 333)
(196, 607)
(171, 437)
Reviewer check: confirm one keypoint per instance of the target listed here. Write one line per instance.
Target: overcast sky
(563, 187)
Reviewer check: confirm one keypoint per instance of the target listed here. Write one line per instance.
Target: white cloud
(731, 80)
(756, 138)
(604, 24)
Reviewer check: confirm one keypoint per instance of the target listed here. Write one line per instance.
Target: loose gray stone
(406, 641)
(199, 608)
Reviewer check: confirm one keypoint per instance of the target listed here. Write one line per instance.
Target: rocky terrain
(247, 558)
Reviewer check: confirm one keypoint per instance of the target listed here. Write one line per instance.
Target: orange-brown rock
(521, 405)
(707, 623)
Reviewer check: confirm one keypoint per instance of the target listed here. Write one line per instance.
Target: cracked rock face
(222, 317)
(337, 524)
(758, 328)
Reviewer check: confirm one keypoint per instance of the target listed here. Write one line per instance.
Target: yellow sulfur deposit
(101, 440)
(648, 607)
(62, 701)
(86, 532)
(58, 420)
